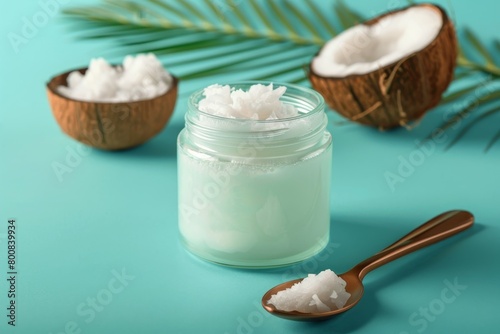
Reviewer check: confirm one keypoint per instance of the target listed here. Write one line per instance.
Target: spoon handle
(438, 228)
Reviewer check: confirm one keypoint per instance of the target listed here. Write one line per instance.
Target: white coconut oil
(254, 192)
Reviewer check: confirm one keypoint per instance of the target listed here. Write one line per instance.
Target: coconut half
(389, 70)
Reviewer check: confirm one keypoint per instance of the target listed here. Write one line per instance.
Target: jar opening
(307, 102)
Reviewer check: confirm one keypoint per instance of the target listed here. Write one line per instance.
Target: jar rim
(308, 93)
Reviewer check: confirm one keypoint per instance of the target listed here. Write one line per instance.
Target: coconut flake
(315, 293)
(139, 78)
(364, 49)
(322, 307)
(260, 102)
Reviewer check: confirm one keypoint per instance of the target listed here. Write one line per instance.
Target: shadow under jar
(255, 193)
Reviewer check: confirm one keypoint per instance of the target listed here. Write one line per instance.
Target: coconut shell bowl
(110, 125)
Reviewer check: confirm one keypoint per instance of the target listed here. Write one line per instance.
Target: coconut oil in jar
(254, 188)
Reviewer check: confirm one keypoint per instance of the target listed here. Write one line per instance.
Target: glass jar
(255, 193)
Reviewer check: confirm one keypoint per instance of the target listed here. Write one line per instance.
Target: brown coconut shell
(397, 93)
(113, 125)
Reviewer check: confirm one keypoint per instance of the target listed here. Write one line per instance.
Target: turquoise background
(117, 212)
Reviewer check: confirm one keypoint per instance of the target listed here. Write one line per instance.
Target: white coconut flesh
(363, 49)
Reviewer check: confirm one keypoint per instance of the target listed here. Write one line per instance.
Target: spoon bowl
(354, 287)
(436, 229)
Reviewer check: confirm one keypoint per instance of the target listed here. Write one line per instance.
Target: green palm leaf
(348, 18)
(325, 25)
(479, 47)
(469, 67)
(458, 94)
(487, 65)
(177, 28)
(471, 124)
(316, 35)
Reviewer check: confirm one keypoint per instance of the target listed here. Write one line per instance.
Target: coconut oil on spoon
(438, 228)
